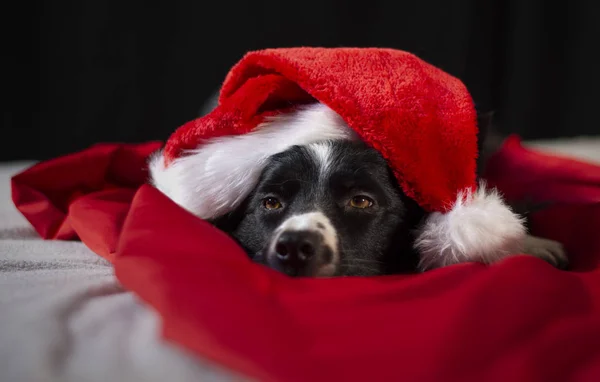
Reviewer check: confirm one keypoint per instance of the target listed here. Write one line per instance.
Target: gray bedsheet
(63, 316)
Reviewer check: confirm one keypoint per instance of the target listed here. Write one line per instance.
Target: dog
(334, 208)
(326, 209)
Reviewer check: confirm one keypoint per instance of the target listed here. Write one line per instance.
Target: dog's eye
(361, 201)
(271, 203)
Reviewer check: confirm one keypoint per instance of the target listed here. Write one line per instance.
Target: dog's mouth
(303, 246)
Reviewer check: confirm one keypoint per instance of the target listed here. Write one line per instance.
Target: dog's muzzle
(304, 245)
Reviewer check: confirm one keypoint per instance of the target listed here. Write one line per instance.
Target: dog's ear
(489, 140)
(229, 222)
(485, 128)
(484, 120)
(527, 206)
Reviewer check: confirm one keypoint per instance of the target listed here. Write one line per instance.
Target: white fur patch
(314, 221)
(310, 222)
(321, 152)
(479, 227)
(215, 178)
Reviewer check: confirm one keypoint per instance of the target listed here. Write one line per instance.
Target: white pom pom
(479, 227)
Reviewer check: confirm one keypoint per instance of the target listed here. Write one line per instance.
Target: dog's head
(327, 209)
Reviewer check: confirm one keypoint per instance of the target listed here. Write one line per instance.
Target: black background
(81, 72)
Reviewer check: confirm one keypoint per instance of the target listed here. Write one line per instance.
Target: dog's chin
(327, 270)
(317, 271)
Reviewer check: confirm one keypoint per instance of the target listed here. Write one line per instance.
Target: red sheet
(518, 320)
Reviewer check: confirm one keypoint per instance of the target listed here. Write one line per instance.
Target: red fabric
(84, 195)
(420, 118)
(518, 320)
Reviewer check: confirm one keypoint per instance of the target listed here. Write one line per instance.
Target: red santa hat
(421, 119)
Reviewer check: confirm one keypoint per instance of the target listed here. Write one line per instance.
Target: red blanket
(518, 320)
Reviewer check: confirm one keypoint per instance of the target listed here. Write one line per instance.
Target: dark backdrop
(81, 72)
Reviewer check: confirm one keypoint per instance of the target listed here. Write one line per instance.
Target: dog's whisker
(362, 270)
(362, 261)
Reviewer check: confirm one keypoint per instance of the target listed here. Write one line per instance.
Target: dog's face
(327, 209)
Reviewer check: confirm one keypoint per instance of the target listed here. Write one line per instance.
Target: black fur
(372, 241)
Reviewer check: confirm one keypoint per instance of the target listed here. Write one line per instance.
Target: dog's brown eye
(271, 203)
(361, 201)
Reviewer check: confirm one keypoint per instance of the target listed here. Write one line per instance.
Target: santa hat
(421, 119)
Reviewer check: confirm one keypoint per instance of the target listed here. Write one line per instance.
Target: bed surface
(63, 316)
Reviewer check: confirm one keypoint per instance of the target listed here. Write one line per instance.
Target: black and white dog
(334, 208)
(327, 208)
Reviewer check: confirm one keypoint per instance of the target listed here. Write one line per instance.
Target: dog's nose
(303, 245)
(297, 247)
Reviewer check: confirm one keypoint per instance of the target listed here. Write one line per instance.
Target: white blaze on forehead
(313, 221)
(218, 175)
(322, 155)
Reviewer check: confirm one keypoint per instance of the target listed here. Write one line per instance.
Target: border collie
(334, 208)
